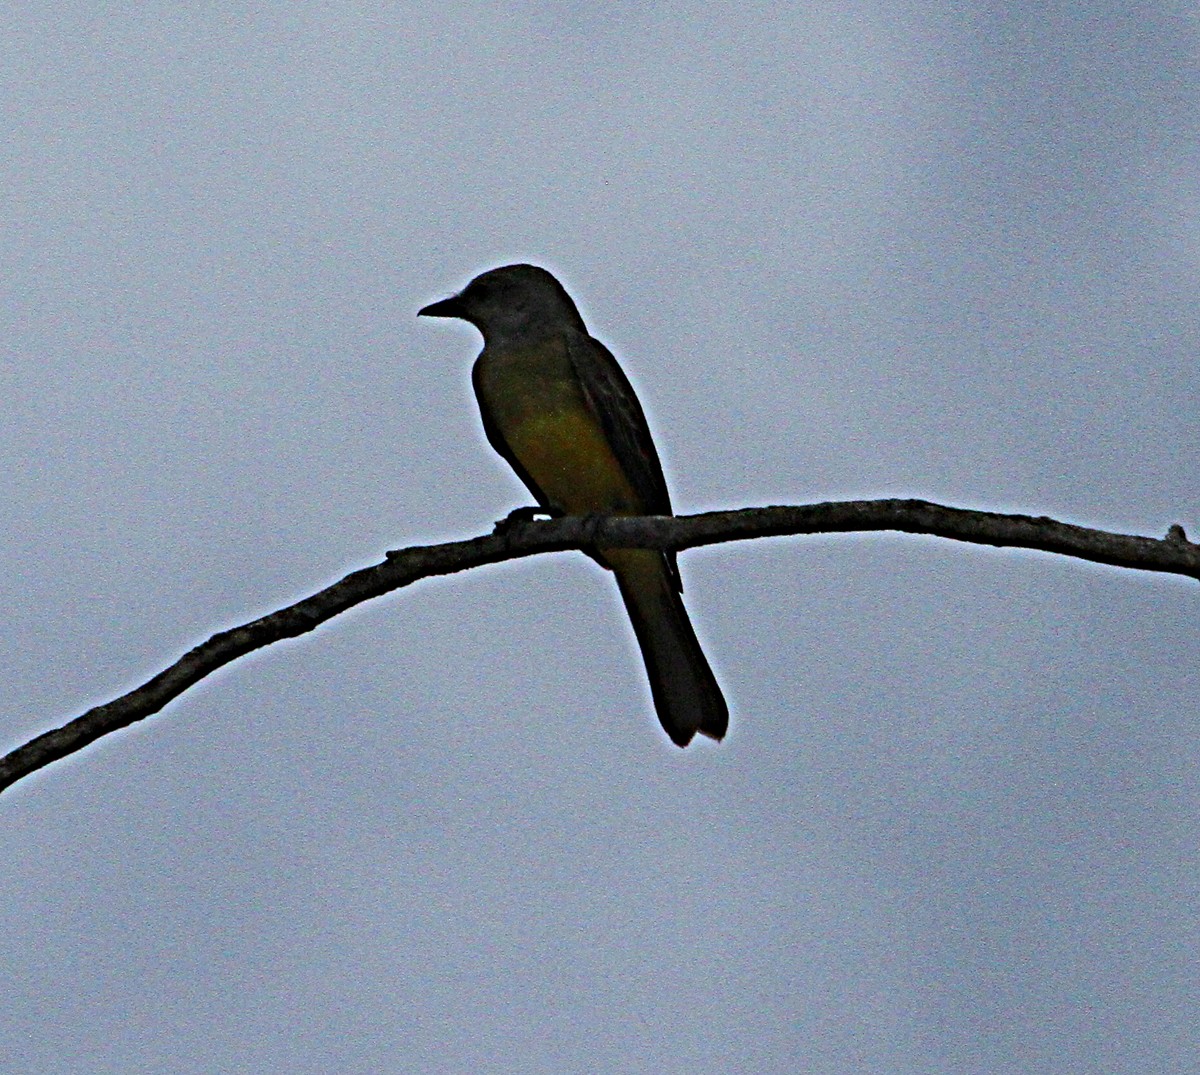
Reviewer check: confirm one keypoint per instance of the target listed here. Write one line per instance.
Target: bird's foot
(524, 514)
(592, 522)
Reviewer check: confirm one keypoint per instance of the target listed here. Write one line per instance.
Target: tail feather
(685, 691)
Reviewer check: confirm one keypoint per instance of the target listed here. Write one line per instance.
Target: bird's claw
(524, 514)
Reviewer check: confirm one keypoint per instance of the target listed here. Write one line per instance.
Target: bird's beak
(451, 307)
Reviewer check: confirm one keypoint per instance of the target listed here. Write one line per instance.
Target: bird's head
(513, 301)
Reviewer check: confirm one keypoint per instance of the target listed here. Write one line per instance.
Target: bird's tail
(686, 694)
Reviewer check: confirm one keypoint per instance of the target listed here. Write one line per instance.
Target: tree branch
(1174, 554)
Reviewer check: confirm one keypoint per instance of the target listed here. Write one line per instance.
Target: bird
(559, 409)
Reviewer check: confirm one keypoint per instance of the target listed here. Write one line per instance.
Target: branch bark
(1173, 554)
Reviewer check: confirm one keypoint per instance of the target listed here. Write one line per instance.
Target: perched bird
(559, 408)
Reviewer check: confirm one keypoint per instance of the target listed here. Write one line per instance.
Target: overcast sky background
(843, 250)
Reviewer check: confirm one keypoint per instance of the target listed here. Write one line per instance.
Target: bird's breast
(532, 398)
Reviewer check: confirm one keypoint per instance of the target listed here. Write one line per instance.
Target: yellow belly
(533, 398)
(570, 459)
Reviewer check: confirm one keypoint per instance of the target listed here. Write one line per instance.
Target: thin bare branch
(1173, 553)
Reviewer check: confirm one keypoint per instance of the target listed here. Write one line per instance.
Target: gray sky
(937, 250)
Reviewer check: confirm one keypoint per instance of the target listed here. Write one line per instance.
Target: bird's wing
(612, 399)
(614, 402)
